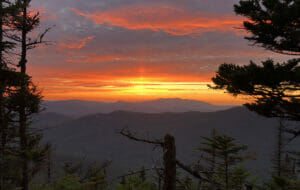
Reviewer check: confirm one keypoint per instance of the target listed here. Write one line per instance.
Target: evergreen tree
(221, 153)
(136, 183)
(282, 183)
(209, 150)
(69, 182)
(274, 24)
(273, 87)
(92, 176)
(208, 155)
(9, 173)
(9, 80)
(25, 101)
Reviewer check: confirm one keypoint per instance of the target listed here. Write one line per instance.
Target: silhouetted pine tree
(274, 24)
(208, 152)
(273, 86)
(26, 100)
(92, 176)
(221, 154)
(9, 173)
(9, 80)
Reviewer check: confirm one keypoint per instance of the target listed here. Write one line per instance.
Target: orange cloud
(96, 87)
(77, 45)
(174, 21)
(45, 15)
(95, 59)
(133, 89)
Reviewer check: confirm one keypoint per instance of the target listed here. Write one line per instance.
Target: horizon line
(140, 101)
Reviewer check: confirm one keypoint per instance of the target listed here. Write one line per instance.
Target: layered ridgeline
(96, 136)
(78, 108)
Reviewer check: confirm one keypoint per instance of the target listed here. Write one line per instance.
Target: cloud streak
(171, 20)
(138, 49)
(77, 45)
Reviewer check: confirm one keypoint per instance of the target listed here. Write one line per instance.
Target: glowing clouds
(171, 20)
(77, 45)
(137, 50)
(130, 89)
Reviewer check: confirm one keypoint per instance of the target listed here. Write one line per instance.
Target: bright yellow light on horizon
(134, 89)
(156, 88)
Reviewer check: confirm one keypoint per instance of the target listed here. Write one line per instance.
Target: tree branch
(132, 136)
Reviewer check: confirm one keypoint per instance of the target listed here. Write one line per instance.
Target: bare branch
(188, 169)
(132, 136)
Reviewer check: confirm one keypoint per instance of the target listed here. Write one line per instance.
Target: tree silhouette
(26, 98)
(274, 24)
(169, 157)
(169, 160)
(274, 88)
(221, 154)
(9, 80)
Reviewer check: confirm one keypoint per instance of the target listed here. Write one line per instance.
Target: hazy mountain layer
(96, 135)
(77, 108)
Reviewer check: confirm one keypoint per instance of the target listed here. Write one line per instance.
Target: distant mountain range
(79, 108)
(96, 137)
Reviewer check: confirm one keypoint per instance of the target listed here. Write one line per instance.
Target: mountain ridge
(97, 135)
(79, 108)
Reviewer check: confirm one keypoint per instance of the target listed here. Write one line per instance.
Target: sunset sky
(133, 50)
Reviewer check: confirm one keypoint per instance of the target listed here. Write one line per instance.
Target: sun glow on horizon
(139, 51)
(133, 89)
(148, 87)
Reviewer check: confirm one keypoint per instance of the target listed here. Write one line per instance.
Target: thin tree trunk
(199, 184)
(278, 159)
(22, 113)
(23, 136)
(169, 163)
(226, 173)
(49, 168)
(213, 162)
(159, 183)
(2, 124)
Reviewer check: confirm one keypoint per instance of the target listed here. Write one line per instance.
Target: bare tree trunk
(226, 173)
(279, 149)
(2, 124)
(213, 162)
(49, 168)
(169, 163)
(169, 157)
(199, 184)
(22, 112)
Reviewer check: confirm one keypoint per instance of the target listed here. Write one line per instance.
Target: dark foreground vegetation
(25, 161)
